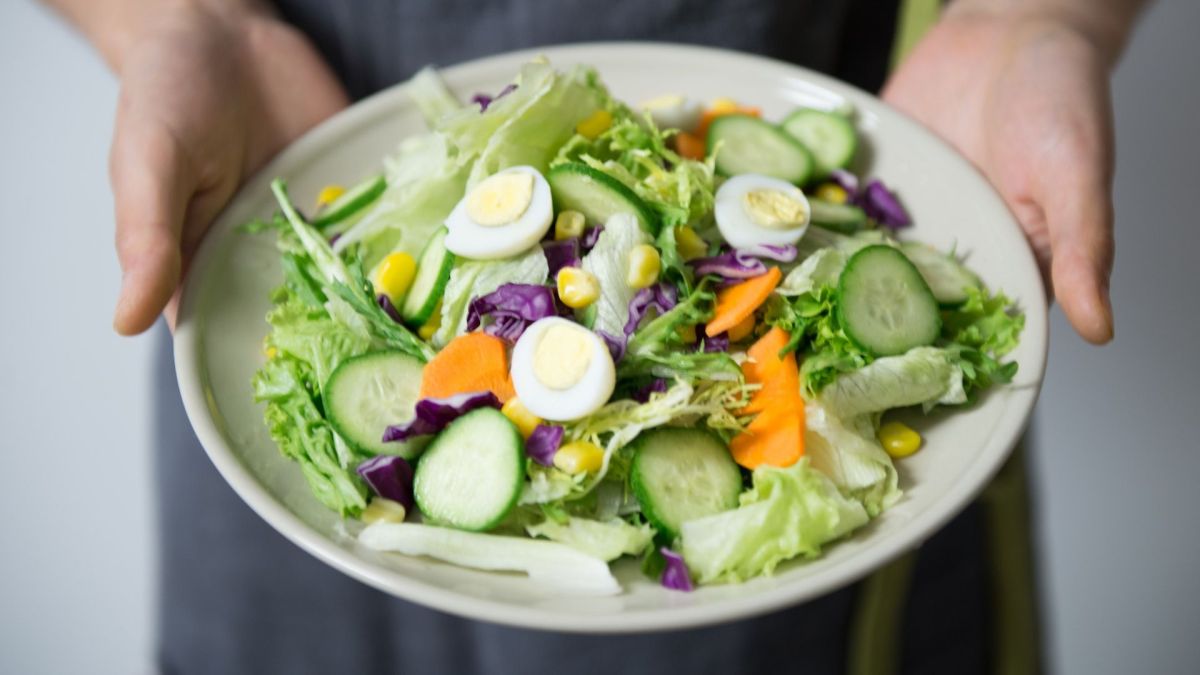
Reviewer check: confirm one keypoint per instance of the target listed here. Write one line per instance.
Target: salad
(559, 330)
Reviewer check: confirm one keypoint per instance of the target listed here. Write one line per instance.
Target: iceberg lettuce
(471, 279)
(607, 540)
(608, 261)
(923, 376)
(848, 452)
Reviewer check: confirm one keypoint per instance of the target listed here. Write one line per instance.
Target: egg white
(469, 239)
(672, 111)
(587, 395)
(738, 227)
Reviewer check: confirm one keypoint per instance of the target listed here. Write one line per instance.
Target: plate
(225, 297)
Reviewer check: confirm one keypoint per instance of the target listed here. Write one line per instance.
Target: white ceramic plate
(220, 330)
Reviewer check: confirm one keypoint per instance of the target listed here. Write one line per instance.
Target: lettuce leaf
(656, 349)
(608, 261)
(607, 540)
(849, 453)
(980, 332)
(474, 278)
(923, 376)
(788, 512)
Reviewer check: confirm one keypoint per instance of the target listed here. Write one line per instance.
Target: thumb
(151, 188)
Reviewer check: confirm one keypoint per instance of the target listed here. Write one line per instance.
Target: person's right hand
(206, 98)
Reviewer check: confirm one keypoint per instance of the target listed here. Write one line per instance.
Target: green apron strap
(915, 19)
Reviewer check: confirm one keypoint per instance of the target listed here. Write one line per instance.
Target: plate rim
(192, 381)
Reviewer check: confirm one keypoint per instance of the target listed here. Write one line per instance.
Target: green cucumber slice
(830, 137)
(472, 473)
(368, 393)
(351, 202)
(750, 145)
(682, 474)
(884, 305)
(948, 279)
(843, 218)
(597, 195)
(433, 273)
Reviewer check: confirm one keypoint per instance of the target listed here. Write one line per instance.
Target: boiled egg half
(503, 215)
(672, 111)
(562, 371)
(754, 209)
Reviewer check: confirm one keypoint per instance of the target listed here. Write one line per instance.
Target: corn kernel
(519, 415)
(742, 329)
(381, 510)
(644, 266)
(724, 105)
(272, 352)
(395, 275)
(687, 334)
(569, 224)
(596, 124)
(432, 325)
(577, 288)
(328, 194)
(831, 192)
(578, 457)
(689, 244)
(899, 439)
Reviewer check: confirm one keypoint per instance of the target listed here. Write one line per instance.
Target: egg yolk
(773, 209)
(500, 199)
(562, 356)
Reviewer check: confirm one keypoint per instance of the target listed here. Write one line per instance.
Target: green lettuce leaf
(979, 333)
(607, 540)
(657, 349)
(923, 376)
(849, 453)
(472, 278)
(608, 261)
(788, 512)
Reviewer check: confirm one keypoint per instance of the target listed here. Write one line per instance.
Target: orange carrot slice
(690, 146)
(471, 362)
(775, 438)
(739, 301)
(764, 355)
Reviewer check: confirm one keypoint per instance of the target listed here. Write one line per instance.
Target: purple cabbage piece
(675, 575)
(616, 345)
(543, 443)
(389, 477)
(434, 414)
(512, 308)
(560, 254)
(334, 239)
(590, 237)
(777, 252)
(385, 303)
(743, 263)
(642, 393)
(485, 100)
(660, 297)
(882, 205)
(717, 343)
(846, 180)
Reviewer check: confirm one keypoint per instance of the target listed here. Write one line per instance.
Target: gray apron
(236, 597)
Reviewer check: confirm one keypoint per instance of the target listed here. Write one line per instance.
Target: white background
(1117, 459)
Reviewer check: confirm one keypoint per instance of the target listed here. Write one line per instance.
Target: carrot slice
(775, 438)
(764, 355)
(782, 388)
(471, 362)
(690, 146)
(737, 302)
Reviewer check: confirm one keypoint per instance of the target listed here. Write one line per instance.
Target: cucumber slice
(351, 202)
(843, 218)
(472, 473)
(750, 145)
(948, 279)
(597, 195)
(681, 474)
(884, 305)
(367, 393)
(433, 272)
(830, 137)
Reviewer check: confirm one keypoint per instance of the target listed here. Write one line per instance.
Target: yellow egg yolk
(500, 199)
(773, 209)
(562, 356)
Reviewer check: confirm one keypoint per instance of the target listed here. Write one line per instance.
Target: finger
(150, 190)
(1079, 218)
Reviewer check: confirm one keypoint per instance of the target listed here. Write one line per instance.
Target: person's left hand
(1026, 99)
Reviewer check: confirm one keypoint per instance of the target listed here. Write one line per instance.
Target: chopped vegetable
(739, 301)
(511, 309)
(776, 435)
(899, 439)
(675, 575)
(389, 477)
(470, 363)
(543, 443)
(434, 414)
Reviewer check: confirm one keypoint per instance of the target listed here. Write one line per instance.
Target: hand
(1026, 99)
(206, 98)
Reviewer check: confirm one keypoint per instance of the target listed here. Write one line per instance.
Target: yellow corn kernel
(272, 352)
(381, 510)
(689, 244)
(578, 457)
(519, 415)
(596, 124)
(395, 275)
(831, 192)
(742, 329)
(644, 266)
(328, 194)
(687, 334)
(432, 325)
(899, 439)
(723, 105)
(569, 224)
(577, 288)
